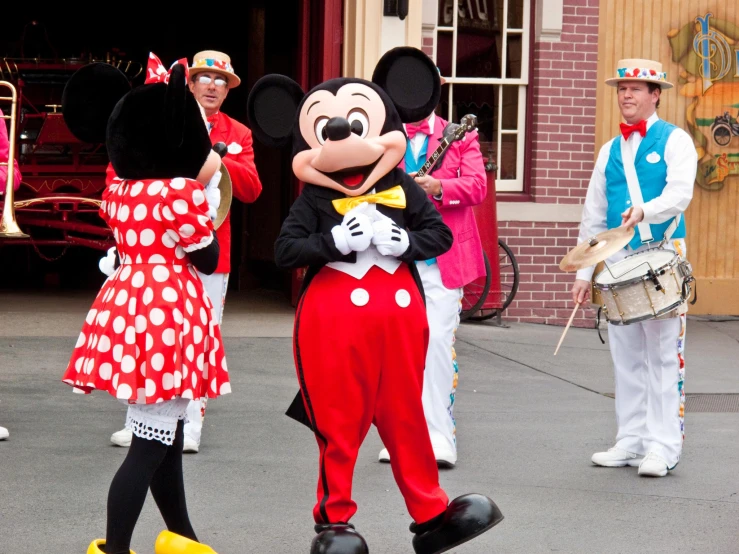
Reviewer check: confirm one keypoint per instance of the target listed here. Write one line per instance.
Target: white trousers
(215, 285)
(443, 307)
(650, 396)
(649, 370)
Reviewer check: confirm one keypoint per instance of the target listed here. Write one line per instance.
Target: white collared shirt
(682, 165)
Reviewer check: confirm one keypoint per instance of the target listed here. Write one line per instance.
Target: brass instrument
(8, 225)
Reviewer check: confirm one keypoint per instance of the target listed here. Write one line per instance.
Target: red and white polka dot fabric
(150, 334)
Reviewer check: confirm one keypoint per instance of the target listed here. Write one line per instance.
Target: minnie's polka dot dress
(150, 335)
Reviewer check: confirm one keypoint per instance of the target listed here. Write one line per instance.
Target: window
(482, 50)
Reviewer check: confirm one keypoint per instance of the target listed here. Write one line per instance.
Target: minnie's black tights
(149, 464)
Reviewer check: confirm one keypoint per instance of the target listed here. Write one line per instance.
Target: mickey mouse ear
(89, 97)
(411, 80)
(271, 109)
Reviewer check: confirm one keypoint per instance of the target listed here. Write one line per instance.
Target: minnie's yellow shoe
(95, 545)
(171, 543)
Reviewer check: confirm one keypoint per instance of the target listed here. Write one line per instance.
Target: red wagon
(57, 202)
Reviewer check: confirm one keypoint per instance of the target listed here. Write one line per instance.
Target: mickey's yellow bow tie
(394, 198)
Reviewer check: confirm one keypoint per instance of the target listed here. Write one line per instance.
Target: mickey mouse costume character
(150, 339)
(361, 334)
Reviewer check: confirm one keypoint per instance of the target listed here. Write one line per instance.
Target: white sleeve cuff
(205, 241)
(586, 273)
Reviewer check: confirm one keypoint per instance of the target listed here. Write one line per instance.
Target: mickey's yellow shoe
(171, 543)
(95, 545)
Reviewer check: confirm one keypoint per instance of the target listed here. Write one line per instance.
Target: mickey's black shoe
(465, 518)
(338, 538)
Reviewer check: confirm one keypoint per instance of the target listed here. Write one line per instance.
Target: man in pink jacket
(455, 185)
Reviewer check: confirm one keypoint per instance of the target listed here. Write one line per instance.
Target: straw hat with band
(212, 61)
(640, 70)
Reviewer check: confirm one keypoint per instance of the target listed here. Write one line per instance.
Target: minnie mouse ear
(411, 80)
(271, 109)
(89, 97)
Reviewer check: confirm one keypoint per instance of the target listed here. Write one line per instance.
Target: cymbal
(597, 248)
(226, 196)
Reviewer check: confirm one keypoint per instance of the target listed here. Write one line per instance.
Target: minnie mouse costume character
(150, 339)
(360, 332)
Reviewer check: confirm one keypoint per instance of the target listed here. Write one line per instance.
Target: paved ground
(528, 424)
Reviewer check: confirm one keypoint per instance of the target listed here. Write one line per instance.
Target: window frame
(520, 186)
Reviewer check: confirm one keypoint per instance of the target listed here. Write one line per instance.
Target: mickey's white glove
(389, 239)
(107, 264)
(213, 195)
(355, 232)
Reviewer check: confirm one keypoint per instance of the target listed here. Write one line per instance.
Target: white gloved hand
(389, 239)
(107, 264)
(355, 232)
(213, 195)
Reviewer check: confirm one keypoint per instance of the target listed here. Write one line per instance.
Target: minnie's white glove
(107, 264)
(213, 195)
(389, 239)
(355, 232)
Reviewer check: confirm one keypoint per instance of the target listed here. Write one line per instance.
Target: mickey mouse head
(347, 133)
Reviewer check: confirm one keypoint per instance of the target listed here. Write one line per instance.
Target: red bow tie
(411, 129)
(640, 127)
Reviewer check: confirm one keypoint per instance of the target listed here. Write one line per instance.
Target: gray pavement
(528, 423)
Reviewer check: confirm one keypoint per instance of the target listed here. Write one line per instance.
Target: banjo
(452, 133)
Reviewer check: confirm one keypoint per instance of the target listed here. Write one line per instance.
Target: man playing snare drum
(648, 355)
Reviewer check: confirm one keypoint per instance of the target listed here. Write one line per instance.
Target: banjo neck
(435, 155)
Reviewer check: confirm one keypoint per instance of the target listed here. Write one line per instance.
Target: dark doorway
(262, 37)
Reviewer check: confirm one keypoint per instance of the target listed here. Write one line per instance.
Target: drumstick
(577, 305)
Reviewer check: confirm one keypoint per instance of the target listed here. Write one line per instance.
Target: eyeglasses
(205, 80)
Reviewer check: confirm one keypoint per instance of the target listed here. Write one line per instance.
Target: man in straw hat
(211, 77)
(647, 356)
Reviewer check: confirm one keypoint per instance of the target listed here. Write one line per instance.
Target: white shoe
(615, 457)
(445, 457)
(3, 433)
(122, 438)
(190, 445)
(653, 465)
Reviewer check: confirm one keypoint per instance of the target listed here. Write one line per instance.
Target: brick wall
(563, 142)
(544, 290)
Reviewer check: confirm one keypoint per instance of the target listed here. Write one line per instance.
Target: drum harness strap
(645, 231)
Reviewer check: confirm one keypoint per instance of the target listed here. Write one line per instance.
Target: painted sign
(706, 51)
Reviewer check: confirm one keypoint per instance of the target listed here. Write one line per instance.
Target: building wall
(563, 143)
(541, 230)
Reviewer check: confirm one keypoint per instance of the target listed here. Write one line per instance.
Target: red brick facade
(563, 84)
(563, 140)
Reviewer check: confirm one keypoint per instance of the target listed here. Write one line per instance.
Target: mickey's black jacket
(305, 238)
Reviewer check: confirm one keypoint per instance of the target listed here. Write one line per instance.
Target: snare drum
(644, 286)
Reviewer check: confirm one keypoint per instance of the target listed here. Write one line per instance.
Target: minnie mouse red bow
(156, 73)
